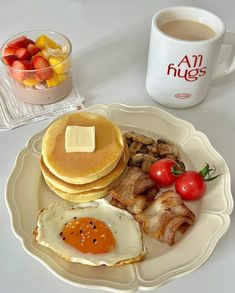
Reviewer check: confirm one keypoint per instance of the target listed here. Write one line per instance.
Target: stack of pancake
(83, 176)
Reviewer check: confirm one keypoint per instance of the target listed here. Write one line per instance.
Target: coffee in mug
(187, 30)
(184, 46)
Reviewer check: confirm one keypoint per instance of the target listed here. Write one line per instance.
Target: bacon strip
(160, 217)
(134, 183)
(165, 216)
(141, 202)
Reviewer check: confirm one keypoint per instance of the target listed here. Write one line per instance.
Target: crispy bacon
(165, 216)
(143, 183)
(173, 226)
(134, 183)
(160, 217)
(141, 202)
(117, 203)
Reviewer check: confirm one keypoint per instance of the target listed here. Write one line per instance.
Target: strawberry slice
(41, 63)
(32, 49)
(43, 74)
(29, 41)
(19, 69)
(9, 51)
(38, 77)
(20, 42)
(22, 53)
(9, 59)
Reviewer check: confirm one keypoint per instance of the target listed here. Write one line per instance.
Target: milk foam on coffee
(187, 30)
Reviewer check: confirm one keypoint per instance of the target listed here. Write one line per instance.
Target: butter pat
(80, 139)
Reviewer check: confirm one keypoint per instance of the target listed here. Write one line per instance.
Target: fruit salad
(38, 68)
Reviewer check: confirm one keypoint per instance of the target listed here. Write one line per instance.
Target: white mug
(180, 71)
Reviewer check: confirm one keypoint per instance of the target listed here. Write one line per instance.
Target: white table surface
(110, 46)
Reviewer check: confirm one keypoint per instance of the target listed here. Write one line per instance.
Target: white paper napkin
(14, 112)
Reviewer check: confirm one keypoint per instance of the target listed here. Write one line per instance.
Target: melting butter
(80, 139)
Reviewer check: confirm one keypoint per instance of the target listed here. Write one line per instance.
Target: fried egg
(94, 233)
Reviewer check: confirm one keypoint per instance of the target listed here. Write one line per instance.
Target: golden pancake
(82, 197)
(78, 188)
(81, 167)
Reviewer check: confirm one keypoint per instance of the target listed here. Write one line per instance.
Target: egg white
(125, 229)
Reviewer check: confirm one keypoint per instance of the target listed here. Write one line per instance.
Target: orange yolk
(88, 235)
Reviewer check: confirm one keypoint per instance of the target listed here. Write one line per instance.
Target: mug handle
(228, 65)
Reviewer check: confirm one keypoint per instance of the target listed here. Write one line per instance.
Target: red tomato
(190, 185)
(161, 172)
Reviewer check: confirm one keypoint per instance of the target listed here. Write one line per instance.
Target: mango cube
(44, 42)
(60, 65)
(63, 77)
(29, 82)
(54, 81)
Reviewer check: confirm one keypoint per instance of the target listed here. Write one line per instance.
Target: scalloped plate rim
(137, 284)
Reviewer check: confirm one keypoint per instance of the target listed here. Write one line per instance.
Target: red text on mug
(189, 67)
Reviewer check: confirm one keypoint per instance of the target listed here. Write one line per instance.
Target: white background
(110, 47)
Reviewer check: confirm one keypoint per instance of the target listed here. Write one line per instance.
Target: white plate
(26, 194)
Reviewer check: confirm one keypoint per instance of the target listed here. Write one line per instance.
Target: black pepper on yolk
(88, 235)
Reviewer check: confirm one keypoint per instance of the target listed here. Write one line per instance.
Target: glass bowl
(38, 66)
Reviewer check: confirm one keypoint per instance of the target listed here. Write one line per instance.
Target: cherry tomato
(190, 185)
(161, 172)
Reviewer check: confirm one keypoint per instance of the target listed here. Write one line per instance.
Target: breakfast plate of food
(115, 199)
